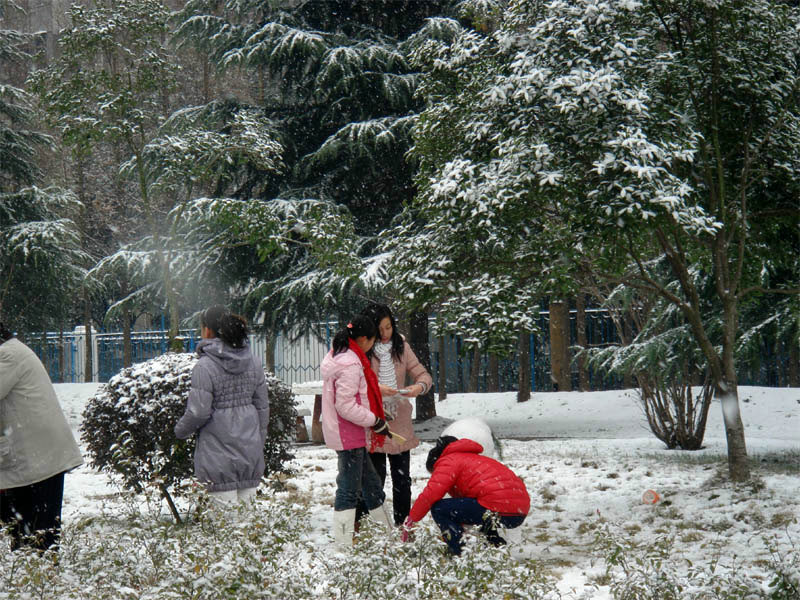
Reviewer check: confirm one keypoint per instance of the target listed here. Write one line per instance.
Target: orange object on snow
(650, 497)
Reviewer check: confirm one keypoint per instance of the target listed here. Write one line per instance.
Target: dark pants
(400, 465)
(357, 479)
(451, 513)
(33, 513)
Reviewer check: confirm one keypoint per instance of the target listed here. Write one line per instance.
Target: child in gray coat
(228, 407)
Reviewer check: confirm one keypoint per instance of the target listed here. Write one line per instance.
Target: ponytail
(360, 325)
(230, 328)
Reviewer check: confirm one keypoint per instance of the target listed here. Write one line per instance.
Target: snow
(586, 458)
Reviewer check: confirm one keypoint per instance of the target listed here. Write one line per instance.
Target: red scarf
(373, 394)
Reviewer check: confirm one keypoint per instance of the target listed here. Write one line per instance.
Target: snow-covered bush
(128, 425)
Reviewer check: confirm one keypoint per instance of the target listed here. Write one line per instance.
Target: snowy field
(587, 459)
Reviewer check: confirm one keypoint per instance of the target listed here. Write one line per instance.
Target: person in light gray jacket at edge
(36, 448)
(228, 407)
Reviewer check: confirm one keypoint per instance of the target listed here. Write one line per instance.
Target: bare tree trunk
(580, 330)
(87, 324)
(627, 377)
(206, 80)
(727, 391)
(442, 370)
(127, 350)
(524, 354)
(172, 508)
(418, 321)
(794, 363)
(474, 369)
(738, 465)
(62, 356)
(493, 380)
(269, 351)
(559, 346)
(45, 355)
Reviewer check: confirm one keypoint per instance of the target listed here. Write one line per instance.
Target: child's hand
(407, 528)
(412, 390)
(387, 390)
(381, 427)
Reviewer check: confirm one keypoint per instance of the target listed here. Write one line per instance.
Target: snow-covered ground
(587, 459)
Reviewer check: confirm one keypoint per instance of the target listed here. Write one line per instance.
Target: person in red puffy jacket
(483, 492)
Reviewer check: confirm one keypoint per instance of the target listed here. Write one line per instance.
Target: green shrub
(128, 425)
(657, 570)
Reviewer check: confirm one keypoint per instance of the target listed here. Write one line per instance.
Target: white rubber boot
(344, 522)
(379, 515)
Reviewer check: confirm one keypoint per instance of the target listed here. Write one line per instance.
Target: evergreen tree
(597, 135)
(334, 78)
(111, 84)
(18, 142)
(41, 261)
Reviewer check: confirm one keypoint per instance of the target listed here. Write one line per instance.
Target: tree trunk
(580, 330)
(172, 508)
(727, 391)
(269, 351)
(127, 350)
(45, 355)
(62, 356)
(728, 396)
(442, 370)
(794, 363)
(493, 380)
(627, 377)
(474, 369)
(559, 346)
(524, 354)
(87, 324)
(418, 330)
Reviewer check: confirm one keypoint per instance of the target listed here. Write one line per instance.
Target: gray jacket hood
(233, 360)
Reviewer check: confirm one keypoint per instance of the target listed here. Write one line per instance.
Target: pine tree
(110, 84)
(18, 142)
(41, 261)
(334, 78)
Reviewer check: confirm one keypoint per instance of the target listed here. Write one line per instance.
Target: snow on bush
(128, 425)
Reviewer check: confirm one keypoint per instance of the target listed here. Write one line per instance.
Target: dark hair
(378, 312)
(5, 334)
(230, 328)
(436, 451)
(360, 325)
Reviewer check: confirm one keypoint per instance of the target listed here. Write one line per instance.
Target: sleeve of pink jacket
(348, 386)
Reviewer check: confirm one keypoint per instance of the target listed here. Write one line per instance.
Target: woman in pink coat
(483, 492)
(394, 362)
(352, 423)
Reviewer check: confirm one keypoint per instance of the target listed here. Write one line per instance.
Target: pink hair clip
(349, 325)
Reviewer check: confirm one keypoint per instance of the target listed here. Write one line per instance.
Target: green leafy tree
(612, 134)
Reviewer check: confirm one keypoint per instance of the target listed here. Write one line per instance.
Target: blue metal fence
(458, 357)
(297, 359)
(64, 353)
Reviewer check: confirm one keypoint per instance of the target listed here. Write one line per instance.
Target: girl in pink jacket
(352, 423)
(401, 377)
